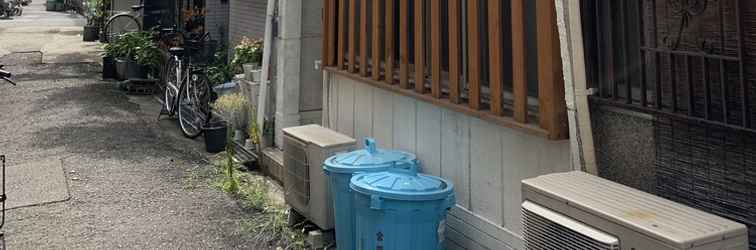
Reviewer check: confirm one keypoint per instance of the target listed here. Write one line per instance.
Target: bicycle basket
(203, 53)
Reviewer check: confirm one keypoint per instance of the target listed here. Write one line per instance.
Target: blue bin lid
(370, 159)
(403, 184)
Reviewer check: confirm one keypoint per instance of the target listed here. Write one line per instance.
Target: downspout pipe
(576, 91)
(262, 100)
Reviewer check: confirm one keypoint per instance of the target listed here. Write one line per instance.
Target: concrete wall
(485, 161)
(216, 21)
(625, 147)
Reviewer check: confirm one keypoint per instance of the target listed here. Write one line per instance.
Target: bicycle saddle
(176, 50)
(137, 7)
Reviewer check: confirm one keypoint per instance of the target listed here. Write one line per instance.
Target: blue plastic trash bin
(340, 168)
(401, 209)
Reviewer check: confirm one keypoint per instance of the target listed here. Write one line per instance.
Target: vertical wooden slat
(377, 31)
(331, 32)
(342, 34)
(352, 34)
(364, 38)
(435, 48)
(389, 75)
(552, 107)
(420, 46)
(519, 62)
(473, 38)
(454, 53)
(404, 43)
(325, 18)
(495, 55)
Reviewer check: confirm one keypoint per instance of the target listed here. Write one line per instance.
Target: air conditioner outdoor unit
(576, 210)
(306, 187)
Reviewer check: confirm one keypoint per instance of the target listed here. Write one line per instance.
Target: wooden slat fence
(453, 53)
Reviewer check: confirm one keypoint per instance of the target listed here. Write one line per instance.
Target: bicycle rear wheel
(194, 105)
(121, 24)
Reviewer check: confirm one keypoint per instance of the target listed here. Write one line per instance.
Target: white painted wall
(486, 162)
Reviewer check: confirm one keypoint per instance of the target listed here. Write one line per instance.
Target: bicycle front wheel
(194, 105)
(121, 24)
(171, 83)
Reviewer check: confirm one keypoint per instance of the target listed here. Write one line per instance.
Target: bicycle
(6, 75)
(123, 23)
(187, 89)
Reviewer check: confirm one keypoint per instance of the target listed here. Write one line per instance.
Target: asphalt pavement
(126, 173)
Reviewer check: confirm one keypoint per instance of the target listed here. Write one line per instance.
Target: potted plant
(234, 108)
(135, 55)
(216, 134)
(248, 57)
(94, 20)
(108, 62)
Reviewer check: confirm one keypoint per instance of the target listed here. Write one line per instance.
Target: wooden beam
(420, 46)
(331, 32)
(454, 47)
(325, 18)
(364, 38)
(352, 34)
(553, 111)
(377, 31)
(404, 43)
(473, 44)
(519, 62)
(435, 38)
(342, 34)
(496, 57)
(389, 75)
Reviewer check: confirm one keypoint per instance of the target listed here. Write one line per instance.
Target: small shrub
(234, 107)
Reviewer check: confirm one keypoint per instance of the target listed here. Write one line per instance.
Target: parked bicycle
(10, 8)
(6, 75)
(187, 88)
(123, 23)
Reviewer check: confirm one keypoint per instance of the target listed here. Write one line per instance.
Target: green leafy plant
(252, 128)
(230, 182)
(96, 12)
(219, 71)
(233, 107)
(247, 51)
(136, 46)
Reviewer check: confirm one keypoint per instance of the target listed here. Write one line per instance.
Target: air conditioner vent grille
(297, 184)
(545, 229)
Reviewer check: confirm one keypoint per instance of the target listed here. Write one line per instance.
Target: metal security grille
(694, 59)
(546, 229)
(708, 167)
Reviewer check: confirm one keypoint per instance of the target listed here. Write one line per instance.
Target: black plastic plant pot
(121, 66)
(135, 71)
(215, 136)
(108, 67)
(91, 33)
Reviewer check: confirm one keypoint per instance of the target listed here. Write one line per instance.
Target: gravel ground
(132, 178)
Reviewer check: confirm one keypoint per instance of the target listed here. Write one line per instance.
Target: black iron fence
(693, 59)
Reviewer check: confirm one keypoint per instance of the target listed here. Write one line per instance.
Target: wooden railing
(454, 59)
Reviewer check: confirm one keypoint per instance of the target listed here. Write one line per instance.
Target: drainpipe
(267, 45)
(576, 90)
